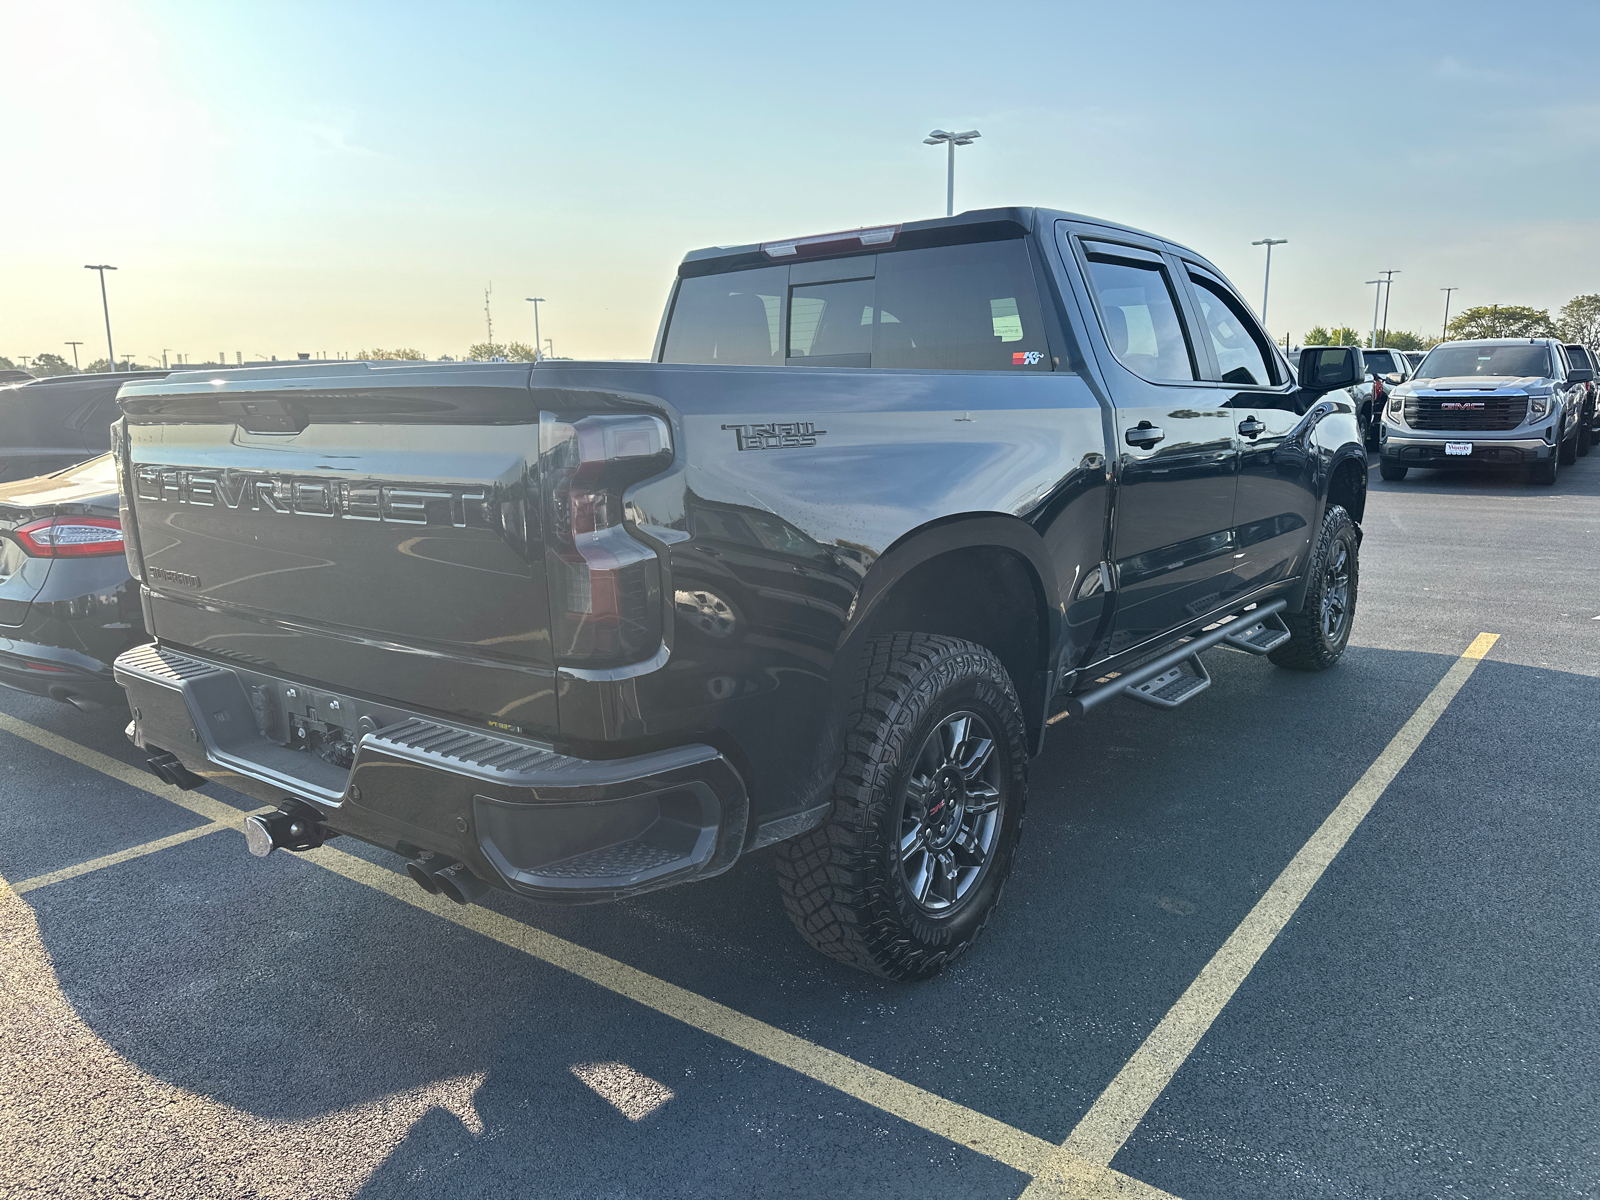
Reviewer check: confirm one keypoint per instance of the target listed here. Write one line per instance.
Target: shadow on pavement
(280, 990)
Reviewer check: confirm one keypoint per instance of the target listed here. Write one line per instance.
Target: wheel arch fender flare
(968, 531)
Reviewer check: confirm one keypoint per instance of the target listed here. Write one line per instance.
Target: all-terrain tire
(1545, 470)
(1585, 437)
(1391, 470)
(845, 883)
(1317, 633)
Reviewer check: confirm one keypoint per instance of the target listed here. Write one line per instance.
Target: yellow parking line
(204, 806)
(952, 1121)
(967, 1127)
(1112, 1118)
(121, 856)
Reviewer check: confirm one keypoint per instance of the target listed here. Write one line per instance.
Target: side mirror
(1580, 375)
(1328, 368)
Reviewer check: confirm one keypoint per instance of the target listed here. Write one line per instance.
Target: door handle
(1143, 435)
(1251, 427)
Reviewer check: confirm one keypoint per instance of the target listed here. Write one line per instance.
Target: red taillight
(71, 537)
(605, 585)
(1377, 390)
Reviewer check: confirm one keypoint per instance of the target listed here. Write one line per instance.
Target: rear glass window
(729, 320)
(953, 308)
(1516, 362)
(1380, 362)
(1140, 315)
(959, 308)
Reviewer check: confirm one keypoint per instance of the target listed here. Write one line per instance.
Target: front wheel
(1391, 470)
(1567, 450)
(1545, 471)
(904, 874)
(1585, 438)
(1319, 632)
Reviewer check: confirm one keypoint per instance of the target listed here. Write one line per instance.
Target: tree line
(1578, 323)
(44, 365)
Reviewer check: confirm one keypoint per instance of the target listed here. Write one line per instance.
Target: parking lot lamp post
(1445, 331)
(950, 140)
(535, 301)
(105, 305)
(74, 346)
(1266, 283)
(1372, 342)
(1388, 286)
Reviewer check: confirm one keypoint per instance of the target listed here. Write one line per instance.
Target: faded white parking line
(1111, 1120)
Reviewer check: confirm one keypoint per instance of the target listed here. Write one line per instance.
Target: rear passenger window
(734, 319)
(959, 308)
(1140, 314)
(1242, 358)
(826, 319)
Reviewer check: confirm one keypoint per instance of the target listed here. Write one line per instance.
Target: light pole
(550, 348)
(111, 355)
(1445, 331)
(535, 301)
(1372, 342)
(74, 346)
(164, 350)
(1269, 243)
(952, 140)
(1388, 286)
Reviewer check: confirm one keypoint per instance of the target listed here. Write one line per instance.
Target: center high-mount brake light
(881, 237)
(605, 586)
(71, 537)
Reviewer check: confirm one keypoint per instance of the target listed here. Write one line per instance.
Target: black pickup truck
(815, 578)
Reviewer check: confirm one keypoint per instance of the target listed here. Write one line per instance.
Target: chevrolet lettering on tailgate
(292, 495)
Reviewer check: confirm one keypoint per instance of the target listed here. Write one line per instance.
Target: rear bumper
(58, 673)
(520, 815)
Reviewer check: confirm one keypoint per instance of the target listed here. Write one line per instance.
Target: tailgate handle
(265, 415)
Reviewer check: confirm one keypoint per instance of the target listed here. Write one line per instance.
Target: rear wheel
(1319, 632)
(1391, 470)
(903, 875)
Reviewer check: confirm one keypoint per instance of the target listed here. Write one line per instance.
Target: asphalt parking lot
(1307, 936)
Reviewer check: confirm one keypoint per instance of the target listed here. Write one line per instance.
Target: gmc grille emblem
(1463, 405)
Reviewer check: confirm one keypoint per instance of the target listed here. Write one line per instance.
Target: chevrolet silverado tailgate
(361, 524)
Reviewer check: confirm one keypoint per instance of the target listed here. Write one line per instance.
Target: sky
(279, 178)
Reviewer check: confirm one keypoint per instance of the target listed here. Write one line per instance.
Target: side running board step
(1171, 688)
(1170, 679)
(1261, 637)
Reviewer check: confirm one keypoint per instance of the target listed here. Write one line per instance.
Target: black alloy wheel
(1320, 631)
(951, 814)
(903, 875)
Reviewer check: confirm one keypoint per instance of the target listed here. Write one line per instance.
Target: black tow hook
(295, 826)
(165, 765)
(441, 876)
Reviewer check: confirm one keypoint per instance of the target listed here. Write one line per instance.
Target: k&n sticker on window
(1026, 358)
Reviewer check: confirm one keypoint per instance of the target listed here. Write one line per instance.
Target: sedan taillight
(71, 537)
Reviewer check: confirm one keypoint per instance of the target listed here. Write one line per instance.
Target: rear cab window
(968, 307)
